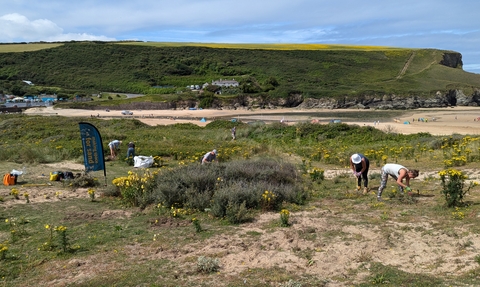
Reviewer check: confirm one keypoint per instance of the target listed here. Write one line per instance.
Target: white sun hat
(356, 158)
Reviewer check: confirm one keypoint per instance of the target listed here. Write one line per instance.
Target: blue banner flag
(92, 148)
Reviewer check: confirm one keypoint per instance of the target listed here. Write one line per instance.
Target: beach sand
(439, 121)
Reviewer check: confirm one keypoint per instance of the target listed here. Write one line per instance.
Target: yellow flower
(61, 228)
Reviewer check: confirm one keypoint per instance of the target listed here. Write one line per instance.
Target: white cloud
(438, 24)
(18, 28)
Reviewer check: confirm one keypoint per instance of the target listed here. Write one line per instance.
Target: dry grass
(8, 48)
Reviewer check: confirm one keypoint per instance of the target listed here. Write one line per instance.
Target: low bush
(230, 189)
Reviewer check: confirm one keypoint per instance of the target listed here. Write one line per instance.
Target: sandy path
(460, 120)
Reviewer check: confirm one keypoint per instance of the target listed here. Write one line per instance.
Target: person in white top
(114, 147)
(399, 173)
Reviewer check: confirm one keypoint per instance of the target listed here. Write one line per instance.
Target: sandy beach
(438, 121)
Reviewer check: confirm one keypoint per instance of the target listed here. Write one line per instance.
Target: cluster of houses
(219, 83)
(27, 101)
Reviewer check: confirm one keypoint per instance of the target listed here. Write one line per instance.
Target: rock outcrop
(452, 59)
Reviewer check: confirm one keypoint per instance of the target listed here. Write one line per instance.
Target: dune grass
(108, 241)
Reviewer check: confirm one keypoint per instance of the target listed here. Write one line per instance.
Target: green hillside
(313, 71)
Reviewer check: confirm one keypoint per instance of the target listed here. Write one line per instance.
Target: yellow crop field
(282, 46)
(7, 48)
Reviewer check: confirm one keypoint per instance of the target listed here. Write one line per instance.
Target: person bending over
(209, 156)
(399, 173)
(360, 165)
(114, 146)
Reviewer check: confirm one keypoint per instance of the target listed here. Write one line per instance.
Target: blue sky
(438, 24)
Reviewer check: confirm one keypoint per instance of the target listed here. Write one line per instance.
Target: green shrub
(235, 194)
(453, 186)
(238, 213)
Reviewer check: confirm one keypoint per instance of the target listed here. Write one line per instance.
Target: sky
(436, 24)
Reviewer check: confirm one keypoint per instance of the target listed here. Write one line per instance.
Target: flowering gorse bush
(48, 245)
(62, 235)
(453, 186)
(27, 197)
(316, 174)
(284, 217)
(136, 189)
(14, 192)
(91, 194)
(3, 251)
(458, 214)
(268, 200)
(179, 212)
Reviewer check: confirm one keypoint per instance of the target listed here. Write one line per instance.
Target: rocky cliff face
(394, 102)
(385, 102)
(453, 60)
(450, 98)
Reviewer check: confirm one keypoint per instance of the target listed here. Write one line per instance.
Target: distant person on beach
(399, 173)
(360, 165)
(114, 147)
(210, 156)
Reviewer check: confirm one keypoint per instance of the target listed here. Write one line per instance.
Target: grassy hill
(273, 70)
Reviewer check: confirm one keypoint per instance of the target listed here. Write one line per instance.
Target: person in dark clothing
(360, 165)
(131, 149)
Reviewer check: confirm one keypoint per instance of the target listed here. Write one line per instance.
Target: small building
(225, 83)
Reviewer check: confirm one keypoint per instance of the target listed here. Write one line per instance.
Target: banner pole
(93, 154)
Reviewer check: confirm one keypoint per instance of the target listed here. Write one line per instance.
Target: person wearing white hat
(210, 156)
(360, 165)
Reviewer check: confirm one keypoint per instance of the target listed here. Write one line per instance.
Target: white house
(225, 83)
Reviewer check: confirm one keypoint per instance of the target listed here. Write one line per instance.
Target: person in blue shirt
(209, 156)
